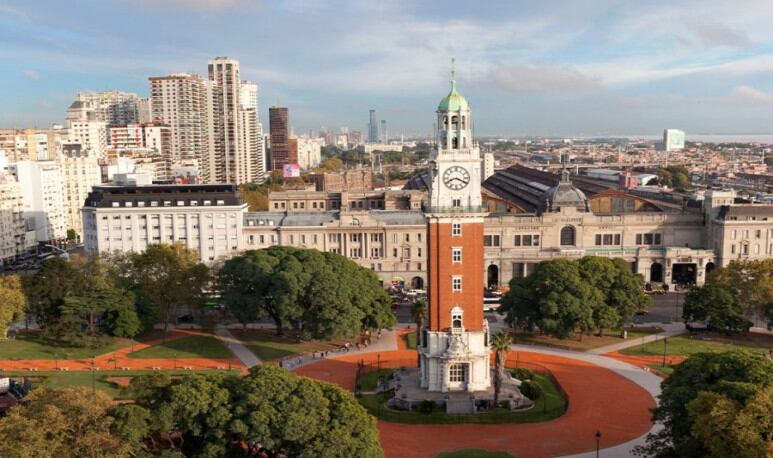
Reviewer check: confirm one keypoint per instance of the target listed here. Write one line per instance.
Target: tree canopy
(13, 303)
(562, 296)
(705, 393)
(751, 282)
(303, 289)
(717, 306)
(270, 411)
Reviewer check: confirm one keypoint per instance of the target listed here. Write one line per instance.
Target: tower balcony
(457, 209)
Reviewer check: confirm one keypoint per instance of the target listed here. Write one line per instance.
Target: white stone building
(205, 218)
(310, 152)
(12, 224)
(80, 172)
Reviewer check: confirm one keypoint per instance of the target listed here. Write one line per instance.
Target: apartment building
(80, 172)
(206, 218)
(43, 198)
(12, 225)
(185, 103)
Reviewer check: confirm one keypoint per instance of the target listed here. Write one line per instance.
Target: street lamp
(665, 347)
(598, 442)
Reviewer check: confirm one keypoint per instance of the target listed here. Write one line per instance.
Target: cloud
(198, 5)
(31, 74)
(538, 78)
(750, 94)
(716, 34)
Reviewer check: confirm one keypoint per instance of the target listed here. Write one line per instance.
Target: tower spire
(453, 73)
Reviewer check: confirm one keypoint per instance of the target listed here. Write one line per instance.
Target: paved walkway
(669, 330)
(387, 342)
(605, 394)
(245, 355)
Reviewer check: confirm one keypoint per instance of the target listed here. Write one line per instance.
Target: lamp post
(665, 347)
(598, 442)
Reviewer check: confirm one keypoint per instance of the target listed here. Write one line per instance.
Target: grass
(50, 379)
(666, 370)
(33, 345)
(268, 346)
(587, 342)
(474, 453)
(686, 345)
(547, 407)
(186, 347)
(369, 380)
(410, 340)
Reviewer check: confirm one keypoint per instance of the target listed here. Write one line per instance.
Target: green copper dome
(454, 101)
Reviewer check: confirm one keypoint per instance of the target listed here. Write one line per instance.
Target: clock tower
(454, 348)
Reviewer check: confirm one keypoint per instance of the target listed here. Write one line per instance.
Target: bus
(491, 304)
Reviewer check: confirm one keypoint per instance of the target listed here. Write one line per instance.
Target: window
(456, 255)
(407, 237)
(567, 236)
(490, 240)
(456, 229)
(456, 283)
(456, 319)
(394, 252)
(418, 237)
(407, 253)
(456, 203)
(457, 373)
(517, 240)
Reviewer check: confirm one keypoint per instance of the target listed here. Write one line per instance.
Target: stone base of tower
(455, 360)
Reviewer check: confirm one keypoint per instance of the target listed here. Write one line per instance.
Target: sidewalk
(387, 342)
(669, 330)
(245, 355)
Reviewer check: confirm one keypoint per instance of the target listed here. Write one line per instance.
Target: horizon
(566, 69)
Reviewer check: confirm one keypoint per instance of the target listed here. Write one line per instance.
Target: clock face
(456, 177)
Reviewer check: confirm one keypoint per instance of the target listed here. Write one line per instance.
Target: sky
(548, 68)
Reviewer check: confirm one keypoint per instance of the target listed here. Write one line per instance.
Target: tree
(554, 298)
(332, 164)
(125, 323)
(48, 287)
(737, 375)
(167, 278)
(716, 305)
(750, 281)
(12, 303)
(501, 346)
(131, 422)
(623, 290)
(297, 416)
(419, 314)
(69, 422)
(303, 289)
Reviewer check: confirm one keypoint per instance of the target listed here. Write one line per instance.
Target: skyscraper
(372, 127)
(383, 136)
(185, 103)
(278, 118)
(252, 133)
(231, 166)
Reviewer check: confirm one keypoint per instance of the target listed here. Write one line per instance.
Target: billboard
(291, 171)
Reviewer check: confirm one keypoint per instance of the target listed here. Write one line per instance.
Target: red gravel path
(599, 400)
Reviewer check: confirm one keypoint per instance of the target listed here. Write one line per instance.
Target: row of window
(568, 238)
(744, 248)
(745, 233)
(168, 203)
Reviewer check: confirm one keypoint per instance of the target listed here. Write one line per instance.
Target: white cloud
(31, 74)
(198, 5)
(716, 34)
(750, 94)
(536, 78)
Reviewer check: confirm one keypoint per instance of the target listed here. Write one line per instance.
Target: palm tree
(418, 312)
(501, 345)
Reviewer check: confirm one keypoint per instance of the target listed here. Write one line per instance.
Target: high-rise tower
(454, 347)
(372, 127)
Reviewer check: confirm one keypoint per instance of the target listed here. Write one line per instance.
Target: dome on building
(565, 194)
(454, 101)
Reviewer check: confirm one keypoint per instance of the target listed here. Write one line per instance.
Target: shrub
(521, 373)
(426, 406)
(531, 389)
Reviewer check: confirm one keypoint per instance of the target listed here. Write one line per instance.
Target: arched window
(455, 122)
(567, 236)
(464, 122)
(456, 318)
(455, 143)
(464, 142)
(445, 121)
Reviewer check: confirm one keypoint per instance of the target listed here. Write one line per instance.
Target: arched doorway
(709, 267)
(493, 277)
(656, 272)
(567, 236)
(417, 283)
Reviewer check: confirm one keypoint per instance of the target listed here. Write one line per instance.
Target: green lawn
(586, 343)
(547, 407)
(186, 347)
(74, 379)
(32, 345)
(668, 369)
(369, 380)
(474, 453)
(267, 346)
(684, 345)
(410, 340)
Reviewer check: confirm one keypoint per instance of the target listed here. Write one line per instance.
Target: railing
(460, 209)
